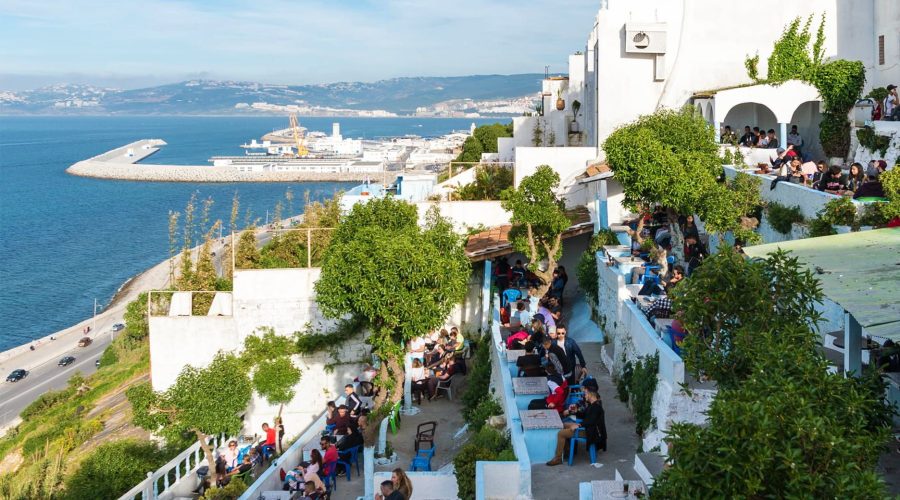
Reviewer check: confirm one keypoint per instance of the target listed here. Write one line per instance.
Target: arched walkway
(807, 117)
(750, 114)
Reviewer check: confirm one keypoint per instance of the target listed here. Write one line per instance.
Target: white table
(540, 419)
(610, 490)
(512, 355)
(530, 385)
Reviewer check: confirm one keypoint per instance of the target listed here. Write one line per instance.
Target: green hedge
(114, 468)
(487, 444)
(781, 218)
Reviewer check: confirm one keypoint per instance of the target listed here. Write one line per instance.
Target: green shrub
(114, 468)
(588, 278)
(46, 401)
(820, 227)
(840, 211)
(487, 407)
(109, 356)
(490, 181)
(874, 214)
(781, 218)
(136, 321)
(232, 491)
(486, 445)
(479, 382)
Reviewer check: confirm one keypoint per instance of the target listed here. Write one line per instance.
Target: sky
(132, 44)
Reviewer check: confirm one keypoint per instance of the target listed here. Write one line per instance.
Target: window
(881, 49)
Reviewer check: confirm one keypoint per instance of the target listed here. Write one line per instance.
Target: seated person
(457, 339)
(435, 356)
(267, 447)
(342, 421)
(796, 175)
(353, 439)
(311, 491)
(518, 340)
(330, 412)
(593, 423)
(547, 316)
(872, 188)
(305, 472)
(443, 372)
(659, 308)
(530, 363)
(419, 379)
(388, 492)
(520, 317)
(833, 180)
(556, 355)
(557, 397)
(245, 466)
(677, 276)
(229, 456)
(329, 456)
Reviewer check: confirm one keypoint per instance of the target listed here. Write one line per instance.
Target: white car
(118, 327)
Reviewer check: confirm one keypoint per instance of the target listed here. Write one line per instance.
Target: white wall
(712, 56)
(887, 23)
(178, 341)
(283, 299)
(568, 162)
(506, 148)
(467, 214)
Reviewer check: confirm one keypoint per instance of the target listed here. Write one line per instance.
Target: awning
(495, 241)
(860, 271)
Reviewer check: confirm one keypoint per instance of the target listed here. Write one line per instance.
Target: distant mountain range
(397, 95)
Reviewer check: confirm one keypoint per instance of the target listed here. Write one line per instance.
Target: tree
(402, 280)
(791, 429)
(671, 158)
(246, 254)
(113, 468)
(487, 135)
(137, 325)
(274, 374)
(490, 181)
(729, 301)
(538, 220)
(202, 401)
(471, 151)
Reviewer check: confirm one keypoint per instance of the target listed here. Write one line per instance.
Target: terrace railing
(181, 467)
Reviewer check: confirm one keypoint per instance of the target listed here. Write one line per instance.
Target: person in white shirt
(795, 139)
(892, 104)
(417, 347)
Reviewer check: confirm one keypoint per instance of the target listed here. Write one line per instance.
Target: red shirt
(270, 437)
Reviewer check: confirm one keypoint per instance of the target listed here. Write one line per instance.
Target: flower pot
(560, 104)
(574, 127)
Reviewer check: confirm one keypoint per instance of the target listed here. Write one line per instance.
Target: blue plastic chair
(349, 457)
(649, 276)
(329, 428)
(575, 439)
(422, 460)
(330, 480)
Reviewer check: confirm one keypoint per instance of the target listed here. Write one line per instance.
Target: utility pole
(94, 320)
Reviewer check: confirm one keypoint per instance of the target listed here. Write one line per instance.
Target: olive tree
(202, 401)
(729, 300)
(401, 279)
(671, 158)
(538, 221)
(790, 429)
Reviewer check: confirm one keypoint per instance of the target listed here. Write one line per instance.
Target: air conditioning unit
(645, 38)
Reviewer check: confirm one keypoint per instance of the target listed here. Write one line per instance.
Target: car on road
(84, 342)
(118, 327)
(16, 375)
(66, 361)
(97, 363)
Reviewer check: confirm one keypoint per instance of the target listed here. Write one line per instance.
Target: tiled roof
(495, 241)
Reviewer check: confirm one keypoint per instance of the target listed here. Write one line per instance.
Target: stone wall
(200, 173)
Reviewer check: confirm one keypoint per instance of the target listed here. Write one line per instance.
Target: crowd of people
(436, 358)
(537, 325)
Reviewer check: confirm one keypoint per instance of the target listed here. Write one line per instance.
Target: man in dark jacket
(872, 188)
(593, 424)
(574, 356)
(556, 356)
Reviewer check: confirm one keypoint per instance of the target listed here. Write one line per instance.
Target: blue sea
(66, 240)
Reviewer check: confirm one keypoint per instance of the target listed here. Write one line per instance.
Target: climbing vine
(872, 141)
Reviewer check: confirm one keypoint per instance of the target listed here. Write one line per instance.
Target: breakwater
(122, 164)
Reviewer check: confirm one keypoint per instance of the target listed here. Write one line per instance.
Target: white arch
(783, 100)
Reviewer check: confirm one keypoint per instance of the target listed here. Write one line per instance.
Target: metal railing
(180, 467)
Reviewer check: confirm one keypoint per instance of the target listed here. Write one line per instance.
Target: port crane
(298, 137)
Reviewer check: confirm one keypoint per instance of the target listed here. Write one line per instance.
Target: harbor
(297, 157)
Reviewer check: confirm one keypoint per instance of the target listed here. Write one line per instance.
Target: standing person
(695, 254)
(556, 356)
(279, 426)
(577, 364)
(771, 140)
(401, 482)
(593, 423)
(794, 139)
(355, 405)
(892, 104)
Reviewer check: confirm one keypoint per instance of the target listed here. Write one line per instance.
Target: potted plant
(573, 126)
(560, 102)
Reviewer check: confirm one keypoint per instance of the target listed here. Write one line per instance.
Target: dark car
(84, 342)
(97, 363)
(66, 361)
(118, 327)
(16, 375)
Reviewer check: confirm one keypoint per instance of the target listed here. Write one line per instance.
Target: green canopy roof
(860, 271)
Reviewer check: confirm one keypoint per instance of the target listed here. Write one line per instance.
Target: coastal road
(43, 372)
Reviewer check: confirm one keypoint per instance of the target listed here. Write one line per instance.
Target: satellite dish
(641, 40)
